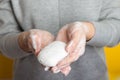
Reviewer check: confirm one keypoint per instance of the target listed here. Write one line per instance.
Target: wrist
(89, 29)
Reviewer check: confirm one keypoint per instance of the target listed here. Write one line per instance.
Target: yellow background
(113, 62)
(5, 68)
(112, 56)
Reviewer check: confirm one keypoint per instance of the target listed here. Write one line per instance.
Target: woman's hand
(75, 36)
(34, 40)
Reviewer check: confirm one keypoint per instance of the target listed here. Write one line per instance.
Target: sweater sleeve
(107, 29)
(9, 31)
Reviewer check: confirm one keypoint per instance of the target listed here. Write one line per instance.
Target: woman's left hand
(75, 36)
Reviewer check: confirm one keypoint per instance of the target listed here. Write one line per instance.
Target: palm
(75, 38)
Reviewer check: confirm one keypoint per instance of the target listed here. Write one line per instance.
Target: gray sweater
(21, 15)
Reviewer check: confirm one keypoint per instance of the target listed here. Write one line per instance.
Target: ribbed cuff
(102, 35)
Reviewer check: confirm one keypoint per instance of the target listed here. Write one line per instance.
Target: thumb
(36, 43)
(62, 34)
(74, 40)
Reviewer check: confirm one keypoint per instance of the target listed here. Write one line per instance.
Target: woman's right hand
(34, 40)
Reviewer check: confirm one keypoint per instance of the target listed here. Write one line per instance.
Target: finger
(74, 55)
(80, 49)
(67, 60)
(29, 42)
(70, 58)
(74, 40)
(57, 69)
(36, 42)
(25, 42)
(66, 70)
(54, 69)
(62, 35)
(81, 44)
(79, 53)
(74, 31)
(47, 38)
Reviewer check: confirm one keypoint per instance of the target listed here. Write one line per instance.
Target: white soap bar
(52, 54)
